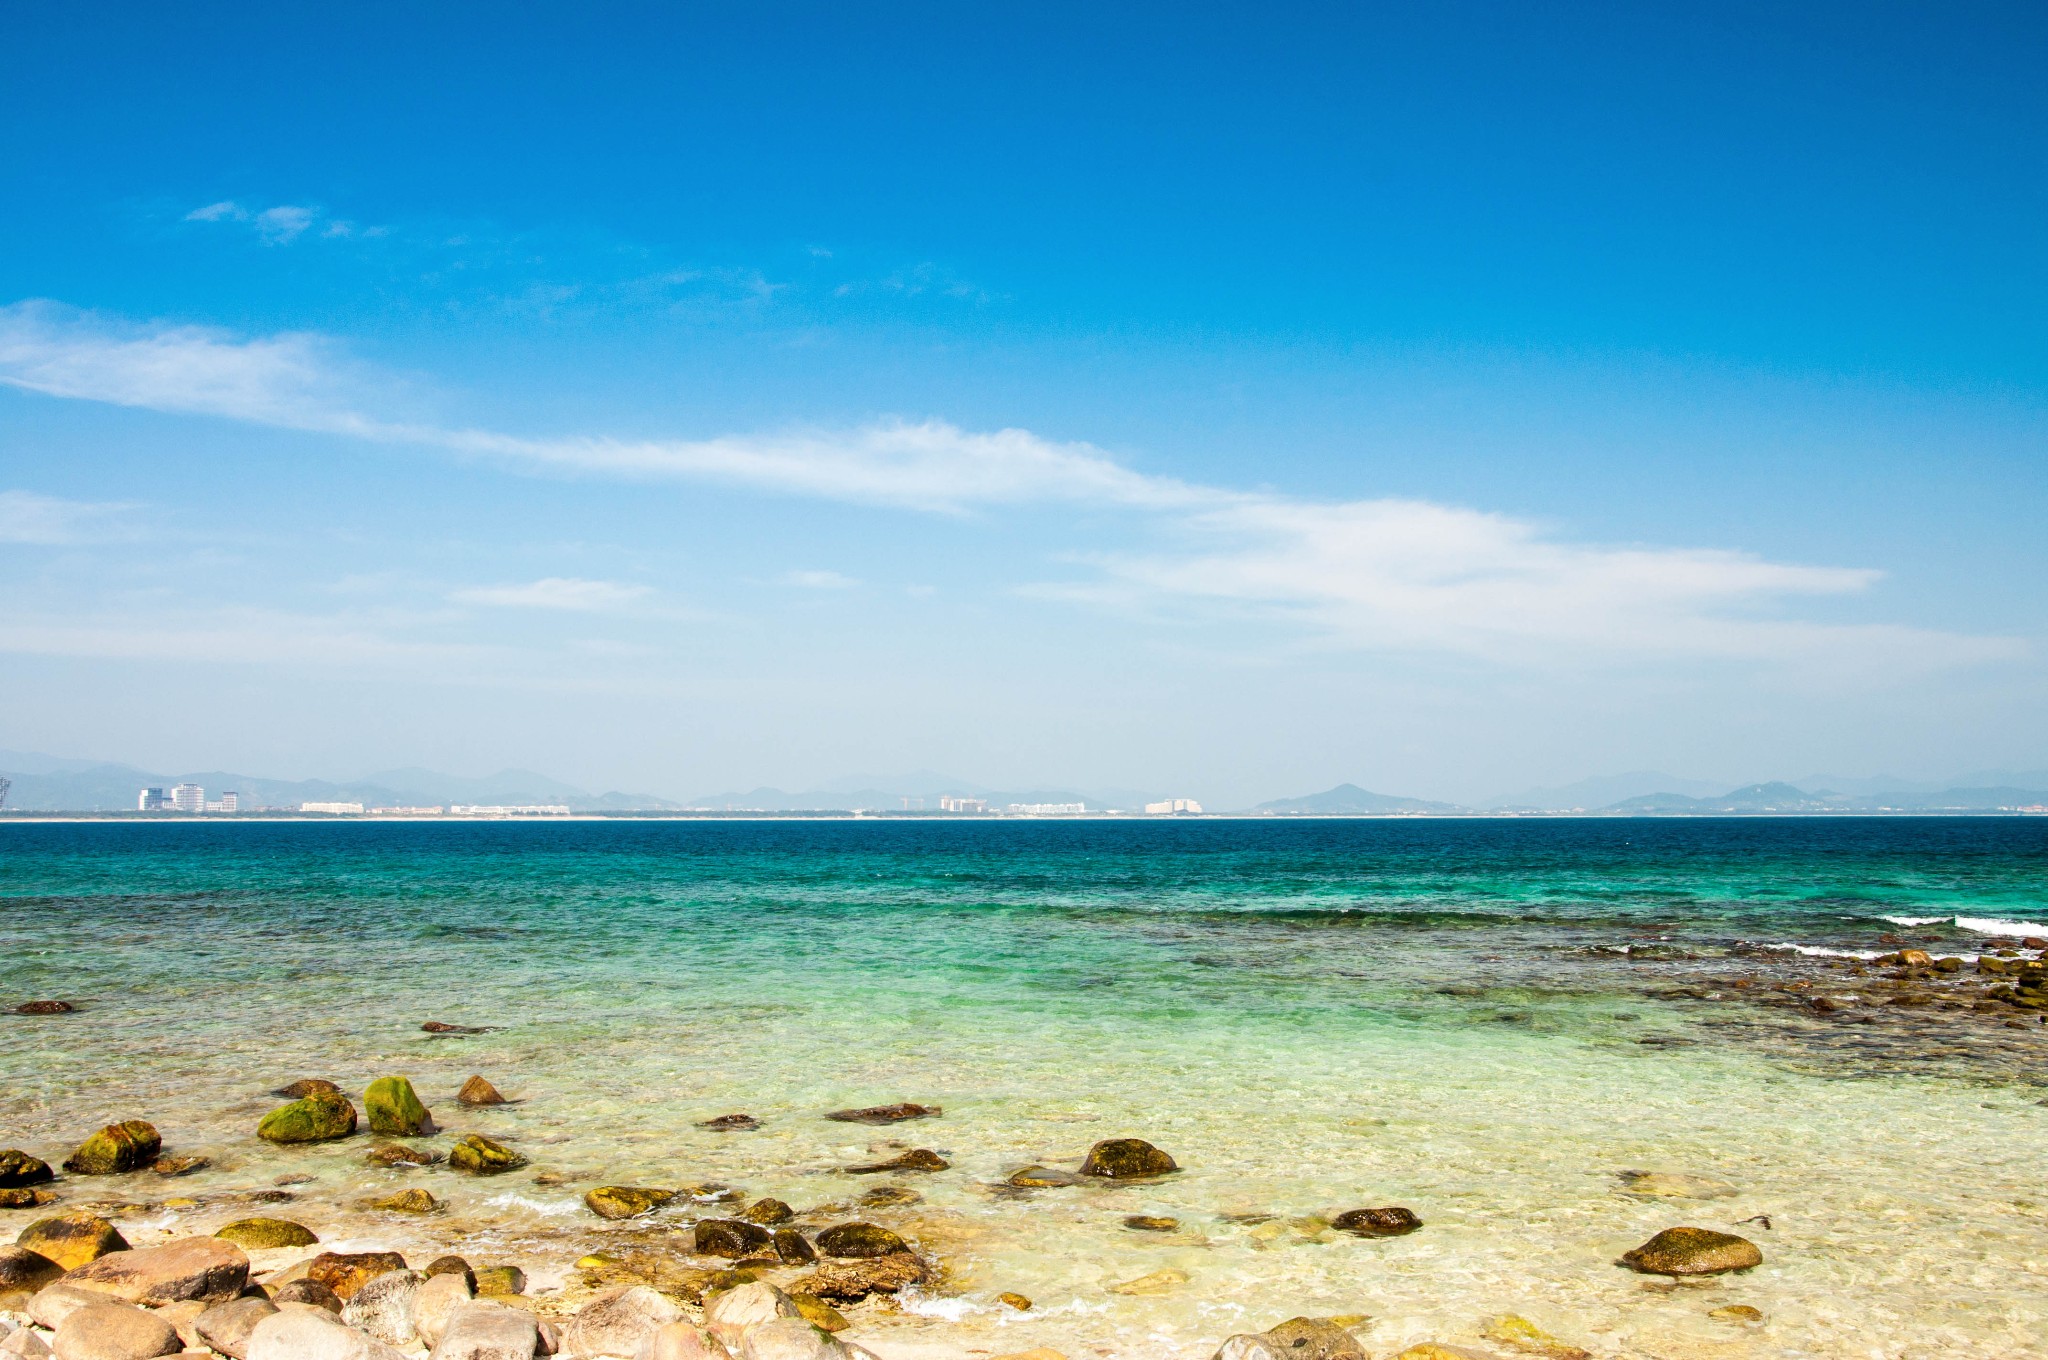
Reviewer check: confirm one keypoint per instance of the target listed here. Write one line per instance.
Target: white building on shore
(334, 809)
(1172, 806)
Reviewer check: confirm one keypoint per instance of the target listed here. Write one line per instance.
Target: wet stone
(1127, 1159)
(1390, 1221)
(477, 1091)
(886, 1114)
(730, 1238)
(18, 1168)
(262, 1234)
(917, 1159)
(730, 1123)
(126, 1146)
(1693, 1251)
(860, 1240)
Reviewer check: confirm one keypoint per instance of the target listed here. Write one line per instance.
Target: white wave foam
(1916, 920)
(946, 1310)
(1984, 925)
(559, 1209)
(1821, 952)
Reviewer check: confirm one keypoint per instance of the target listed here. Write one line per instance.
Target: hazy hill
(1349, 800)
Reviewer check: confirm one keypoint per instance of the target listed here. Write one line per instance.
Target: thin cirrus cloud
(566, 593)
(281, 224)
(26, 517)
(818, 580)
(1380, 574)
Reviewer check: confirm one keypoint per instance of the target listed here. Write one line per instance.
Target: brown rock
(310, 1292)
(443, 1027)
(1016, 1301)
(819, 1313)
(851, 1281)
(626, 1201)
(27, 1197)
(399, 1156)
(1151, 1223)
(499, 1281)
(265, 1234)
(793, 1247)
(889, 1197)
(1693, 1251)
(414, 1201)
(1127, 1159)
(307, 1086)
(1042, 1177)
(17, 1169)
(860, 1240)
(1306, 1338)
(71, 1240)
(202, 1268)
(23, 1272)
(730, 1123)
(346, 1272)
(1392, 1221)
(917, 1159)
(179, 1166)
(731, 1238)
(45, 1008)
(226, 1326)
(477, 1091)
(768, 1212)
(481, 1156)
(115, 1331)
(886, 1114)
(451, 1265)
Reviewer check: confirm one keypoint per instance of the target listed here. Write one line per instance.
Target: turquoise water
(1481, 1020)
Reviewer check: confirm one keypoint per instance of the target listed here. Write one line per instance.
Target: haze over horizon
(1450, 403)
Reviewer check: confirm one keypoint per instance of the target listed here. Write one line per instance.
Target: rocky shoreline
(703, 1272)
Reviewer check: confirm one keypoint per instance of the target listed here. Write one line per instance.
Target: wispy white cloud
(1371, 574)
(26, 517)
(557, 592)
(282, 223)
(818, 580)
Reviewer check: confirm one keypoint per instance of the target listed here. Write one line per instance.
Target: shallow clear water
(1312, 1016)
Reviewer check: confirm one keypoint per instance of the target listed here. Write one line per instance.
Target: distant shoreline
(26, 815)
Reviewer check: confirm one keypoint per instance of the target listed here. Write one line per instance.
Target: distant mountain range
(56, 784)
(1348, 800)
(919, 790)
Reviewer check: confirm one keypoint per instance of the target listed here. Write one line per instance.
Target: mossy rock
(347, 1272)
(262, 1234)
(626, 1201)
(26, 1197)
(71, 1240)
(394, 1109)
(794, 1248)
(127, 1146)
(768, 1212)
(17, 1168)
(1127, 1159)
(860, 1240)
(499, 1281)
(819, 1313)
(451, 1265)
(23, 1272)
(1693, 1251)
(1391, 1221)
(1042, 1178)
(317, 1118)
(481, 1156)
(731, 1238)
(414, 1201)
(307, 1086)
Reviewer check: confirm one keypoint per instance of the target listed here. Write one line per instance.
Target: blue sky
(1220, 401)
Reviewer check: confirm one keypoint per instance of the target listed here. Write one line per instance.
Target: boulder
(450, 1265)
(394, 1109)
(312, 1293)
(226, 1326)
(730, 1238)
(1693, 1251)
(1126, 1159)
(51, 1304)
(917, 1159)
(316, 1118)
(346, 1272)
(730, 1314)
(886, 1114)
(383, 1308)
(436, 1302)
(72, 1239)
(307, 1334)
(1391, 1221)
(793, 1247)
(263, 1234)
(126, 1146)
(17, 1168)
(488, 1331)
(115, 1331)
(414, 1201)
(731, 1123)
(619, 1323)
(768, 1212)
(308, 1086)
(477, 1091)
(626, 1201)
(852, 1281)
(481, 1156)
(790, 1339)
(202, 1268)
(681, 1341)
(23, 1272)
(860, 1241)
(499, 1281)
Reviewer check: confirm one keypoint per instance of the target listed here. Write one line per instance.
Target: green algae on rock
(318, 1117)
(481, 1156)
(859, 1240)
(394, 1109)
(626, 1201)
(768, 1212)
(260, 1234)
(23, 1272)
(499, 1281)
(731, 1238)
(413, 1201)
(71, 1240)
(18, 1168)
(126, 1146)
(1693, 1251)
(1127, 1159)
(917, 1159)
(1390, 1221)
(346, 1272)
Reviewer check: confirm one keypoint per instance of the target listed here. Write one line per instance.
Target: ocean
(1485, 1021)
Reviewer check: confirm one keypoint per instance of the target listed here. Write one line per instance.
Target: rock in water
(1527, 1337)
(477, 1091)
(731, 1123)
(886, 1114)
(768, 1212)
(398, 1155)
(1158, 1282)
(308, 1086)
(71, 1240)
(126, 1146)
(17, 1168)
(1151, 1223)
(414, 1201)
(45, 1008)
(819, 1313)
(794, 1248)
(620, 1322)
(346, 1272)
(26, 1198)
(1042, 1178)
(179, 1166)
(262, 1234)
(1391, 1221)
(852, 1281)
(626, 1201)
(202, 1268)
(917, 1159)
(731, 1238)
(1693, 1251)
(115, 1331)
(481, 1156)
(1127, 1159)
(226, 1326)
(860, 1240)
(316, 1118)
(394, 1109)
(890, 1197)
(487, 1331)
